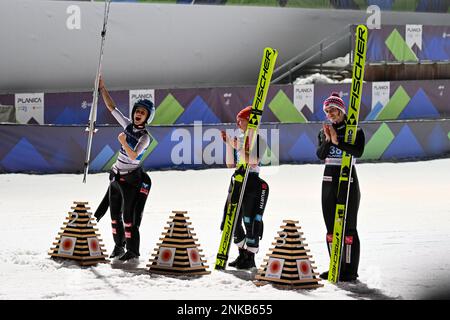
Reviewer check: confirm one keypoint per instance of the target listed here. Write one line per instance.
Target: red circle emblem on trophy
(67, 244)
(166, 255)
(304, 267)
(94, 245)
(194, 256)
(275, 266)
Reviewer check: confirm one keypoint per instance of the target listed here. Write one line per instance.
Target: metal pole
(93, 114)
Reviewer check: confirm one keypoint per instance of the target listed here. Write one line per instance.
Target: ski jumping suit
(253, 204)
(332, 155)
(128, 189)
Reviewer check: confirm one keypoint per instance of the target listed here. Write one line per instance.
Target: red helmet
(244, 113)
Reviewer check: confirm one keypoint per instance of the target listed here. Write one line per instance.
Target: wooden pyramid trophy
(78, 239)
(178, 254)
(288, 265)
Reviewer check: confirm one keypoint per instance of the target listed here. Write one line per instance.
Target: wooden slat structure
(288, 264)
(178, 254)
(78, 239)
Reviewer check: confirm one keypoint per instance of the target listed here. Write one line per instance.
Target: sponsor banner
(140, 94)
(94, 247)
(394, 43)
(304, 269)
(285, 103)
(166, 256)
(29, 108)
(67, 245)
(274, 268)
(194, 257)
(380, 93)
(61, 149)
(304, 97)
(413, 35)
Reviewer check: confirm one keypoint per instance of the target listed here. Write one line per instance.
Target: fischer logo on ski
(240, 178)
(347, 159)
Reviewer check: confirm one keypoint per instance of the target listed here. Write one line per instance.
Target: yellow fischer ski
(347, 159)
(237, 193)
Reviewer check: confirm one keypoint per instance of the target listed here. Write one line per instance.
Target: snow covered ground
(404, 226)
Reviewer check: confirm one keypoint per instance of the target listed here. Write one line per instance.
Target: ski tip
(361, 26)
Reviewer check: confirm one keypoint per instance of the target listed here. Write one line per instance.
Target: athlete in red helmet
(247, 237)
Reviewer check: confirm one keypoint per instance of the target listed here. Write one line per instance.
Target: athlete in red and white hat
(331, 146)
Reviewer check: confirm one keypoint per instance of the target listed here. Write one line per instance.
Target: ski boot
(118, 252)
(129, 255)
(247, 262)
(238, 259)
(344, 277)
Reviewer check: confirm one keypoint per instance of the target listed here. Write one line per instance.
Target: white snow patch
(404, 223)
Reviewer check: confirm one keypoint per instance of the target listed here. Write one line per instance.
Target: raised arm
(230, 146)
(323, 147)
(106, 97)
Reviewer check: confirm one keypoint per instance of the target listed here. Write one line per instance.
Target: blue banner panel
(408, 43)
(394, 100)
(61, 149)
